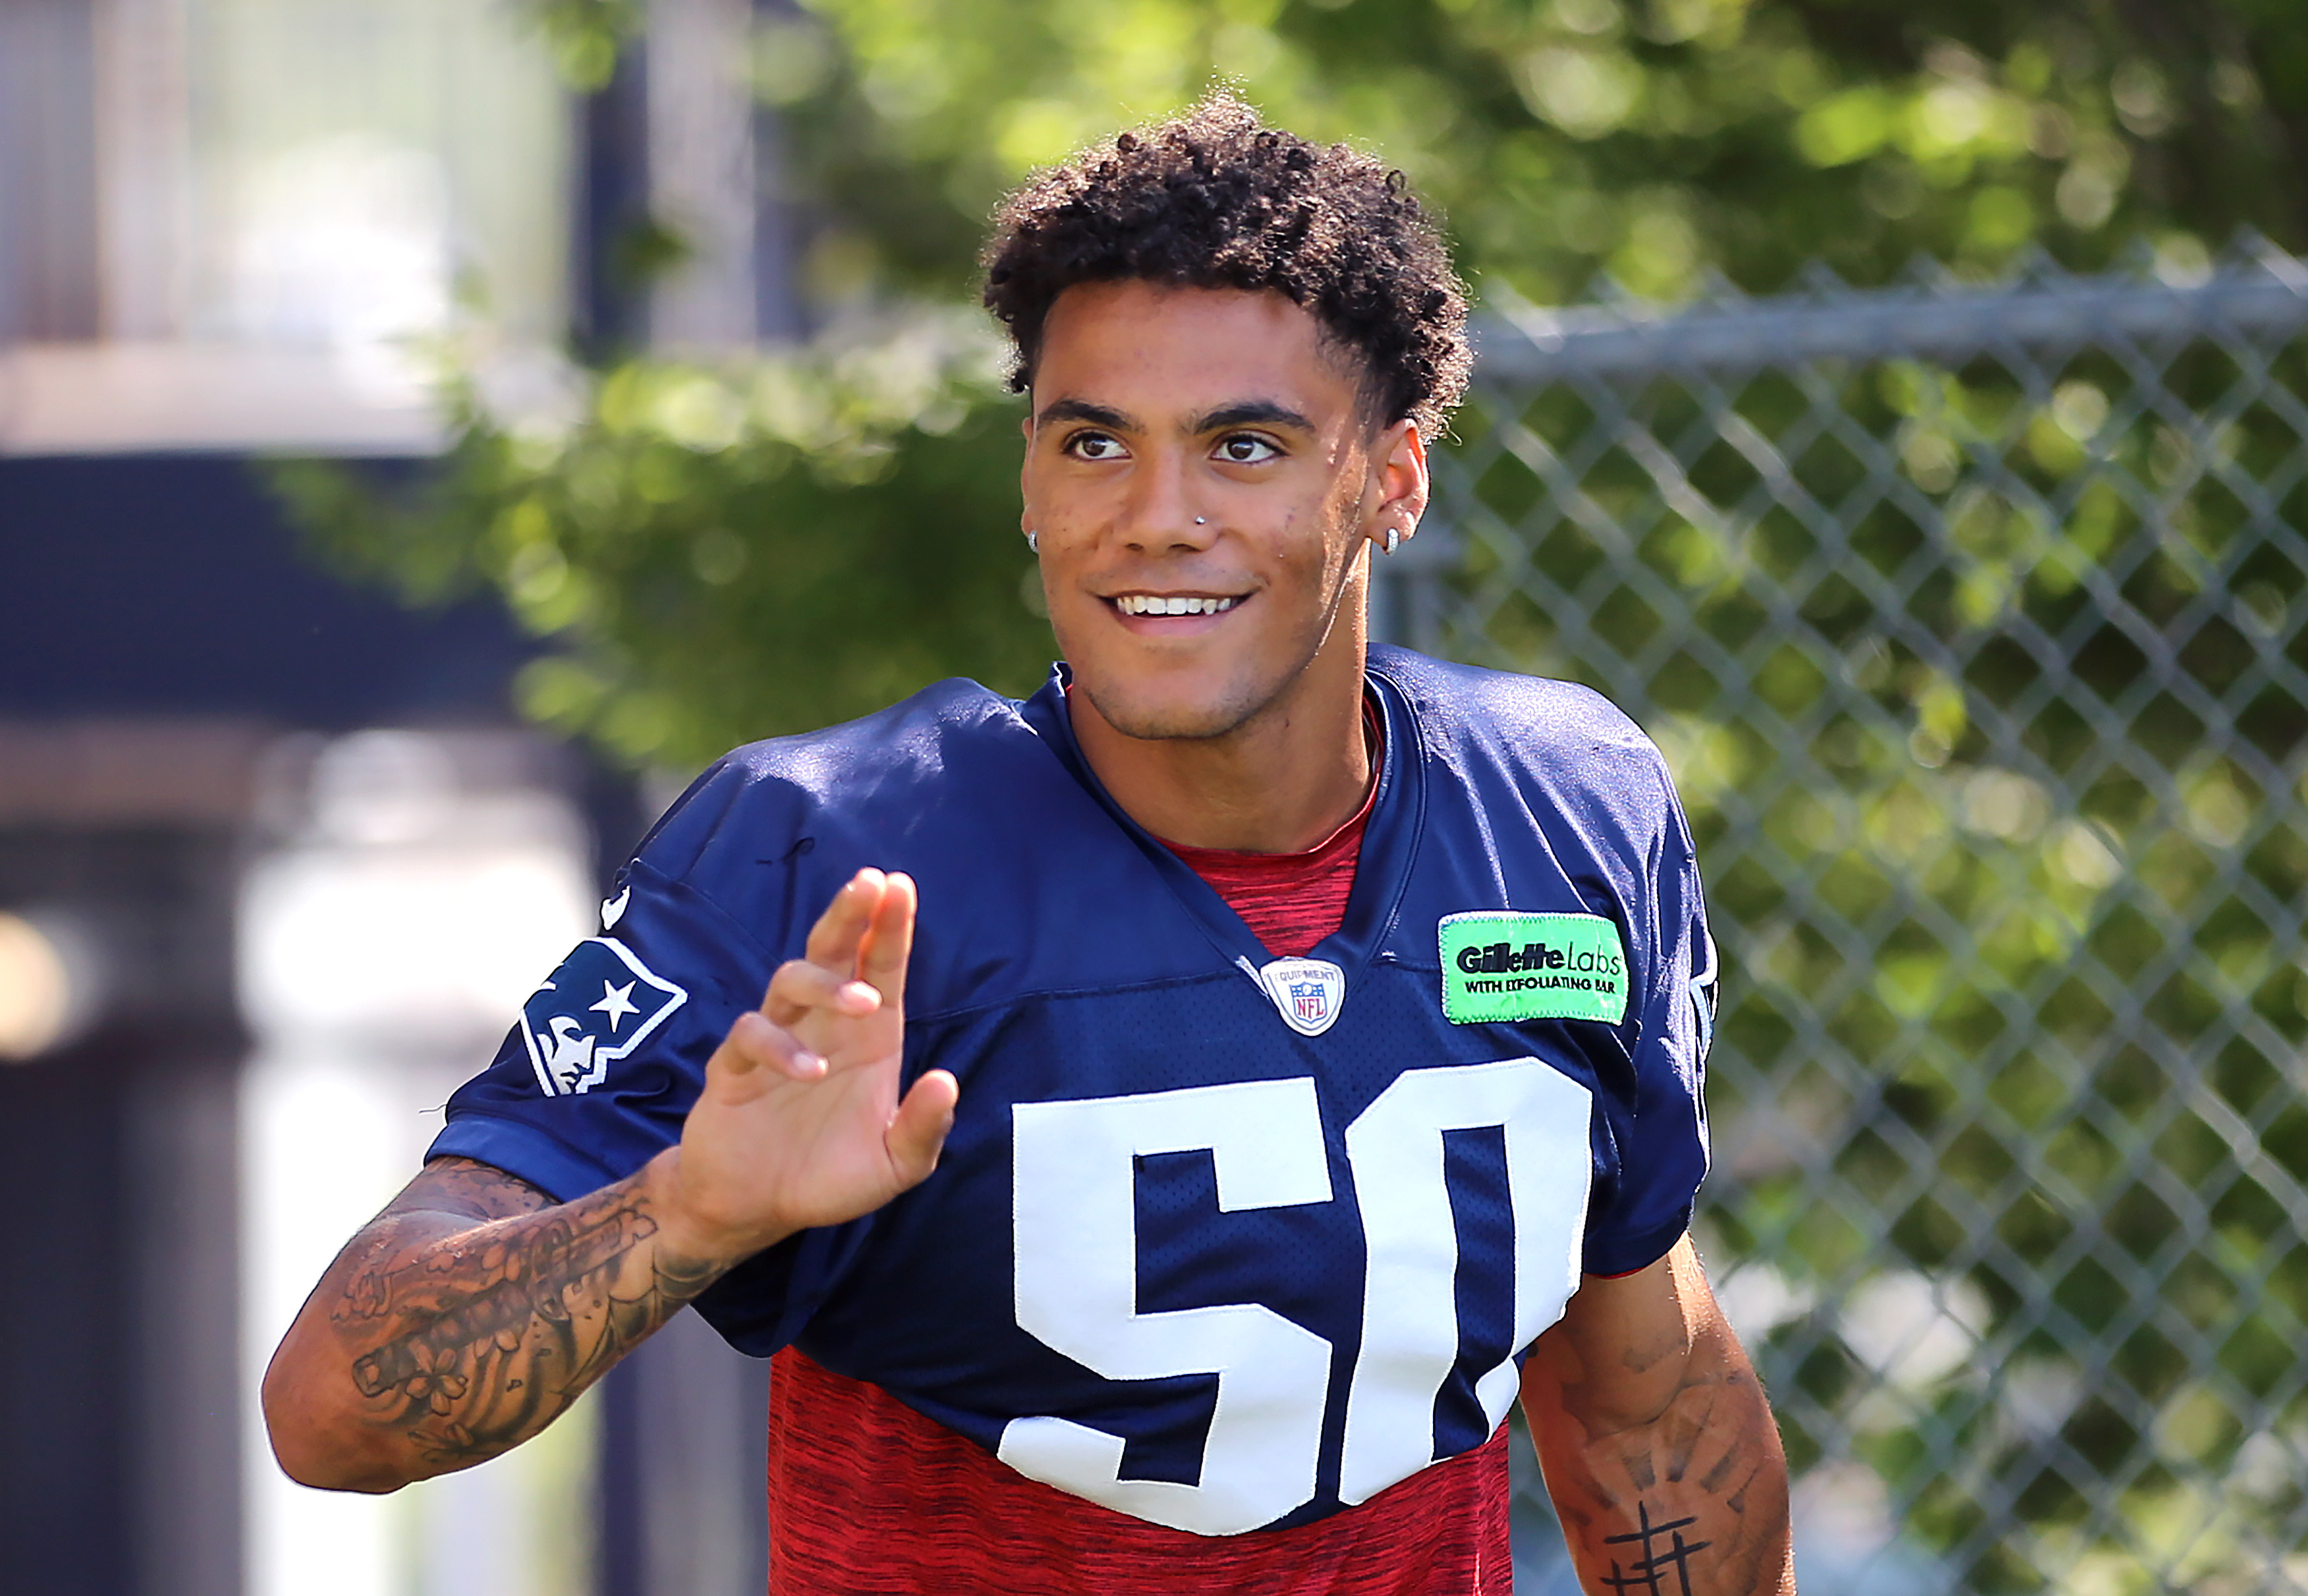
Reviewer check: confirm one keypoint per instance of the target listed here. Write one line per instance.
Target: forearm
(1659, 1449)
(1694, 1501)
(438, 1339)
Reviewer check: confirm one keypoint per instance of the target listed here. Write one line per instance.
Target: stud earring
(1033, 542)
(1393, 538)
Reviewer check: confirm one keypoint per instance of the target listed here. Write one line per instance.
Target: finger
(889, 940)
(918, 1130)
(800, 988)
(755, 1043)
(834, 940)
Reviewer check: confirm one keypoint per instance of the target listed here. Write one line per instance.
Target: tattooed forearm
(479, 1293)
(1694, 1504)
(1662, 1556)
(1659, 1449)
(473, 1343)
(464, 1319)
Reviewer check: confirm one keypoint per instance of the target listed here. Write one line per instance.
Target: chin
(1157, 720)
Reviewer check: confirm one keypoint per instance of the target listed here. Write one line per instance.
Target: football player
(1294, 1059)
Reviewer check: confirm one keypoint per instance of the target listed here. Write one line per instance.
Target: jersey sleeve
(1661, 1125)
(601, 1067)
(608, 1055)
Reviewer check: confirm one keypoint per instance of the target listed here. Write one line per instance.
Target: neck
(1279, 783)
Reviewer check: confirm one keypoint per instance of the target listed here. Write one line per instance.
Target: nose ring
(1202, 521)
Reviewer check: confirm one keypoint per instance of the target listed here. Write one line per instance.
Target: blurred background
(429, 432)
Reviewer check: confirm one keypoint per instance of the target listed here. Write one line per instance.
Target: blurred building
(277, 863)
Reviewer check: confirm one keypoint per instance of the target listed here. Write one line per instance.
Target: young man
(1296, 1056)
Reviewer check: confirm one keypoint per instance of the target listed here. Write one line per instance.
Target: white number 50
(1074, 1220)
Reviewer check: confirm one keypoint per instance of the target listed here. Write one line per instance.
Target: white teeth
(1153, 604)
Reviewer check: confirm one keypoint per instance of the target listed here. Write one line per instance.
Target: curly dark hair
(1217, 199)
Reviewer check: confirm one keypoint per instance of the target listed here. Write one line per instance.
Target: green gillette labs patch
(1499, 965)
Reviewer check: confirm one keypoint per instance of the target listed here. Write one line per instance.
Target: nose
(1160, 514)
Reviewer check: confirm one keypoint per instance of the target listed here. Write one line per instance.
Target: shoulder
(913, 741)
(955, 786)
(1532, 727)
(873, 780)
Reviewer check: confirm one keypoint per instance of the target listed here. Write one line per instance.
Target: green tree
(727, 552)
(1652, 138)
(1656, 140)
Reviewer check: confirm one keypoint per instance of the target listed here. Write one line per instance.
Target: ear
(1025, 472)
(1399, 485)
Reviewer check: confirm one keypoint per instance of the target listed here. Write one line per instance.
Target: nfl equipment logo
(1310, 1002)
(1307, 992)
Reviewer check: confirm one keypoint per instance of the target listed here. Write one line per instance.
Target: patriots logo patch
(598, 1007)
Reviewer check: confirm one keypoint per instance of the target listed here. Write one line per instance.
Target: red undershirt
(867, 1496)
(1291, 900)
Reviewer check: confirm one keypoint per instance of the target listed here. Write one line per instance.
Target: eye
(1246, 448)
(1096, 445)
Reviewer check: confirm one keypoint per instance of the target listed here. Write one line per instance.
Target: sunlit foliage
(1655, 140)
(728, 551)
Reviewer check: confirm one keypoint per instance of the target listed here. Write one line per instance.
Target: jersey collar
(1389, 838)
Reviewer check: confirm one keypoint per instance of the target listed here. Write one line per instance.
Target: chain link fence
(1971, 620)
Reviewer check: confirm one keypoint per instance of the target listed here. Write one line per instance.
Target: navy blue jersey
(1222, 1241)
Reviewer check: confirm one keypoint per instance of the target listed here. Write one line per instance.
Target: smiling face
(1204, 481)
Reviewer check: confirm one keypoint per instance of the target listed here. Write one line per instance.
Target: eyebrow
(1248, 412)
(1081, 410)
(1252, 412)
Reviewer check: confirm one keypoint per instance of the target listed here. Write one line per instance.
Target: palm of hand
(800, 1123)
(823, 1142)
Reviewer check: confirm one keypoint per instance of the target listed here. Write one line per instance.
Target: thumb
(918, 1131)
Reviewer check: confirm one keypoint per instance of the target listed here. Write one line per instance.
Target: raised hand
(799, 1123)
